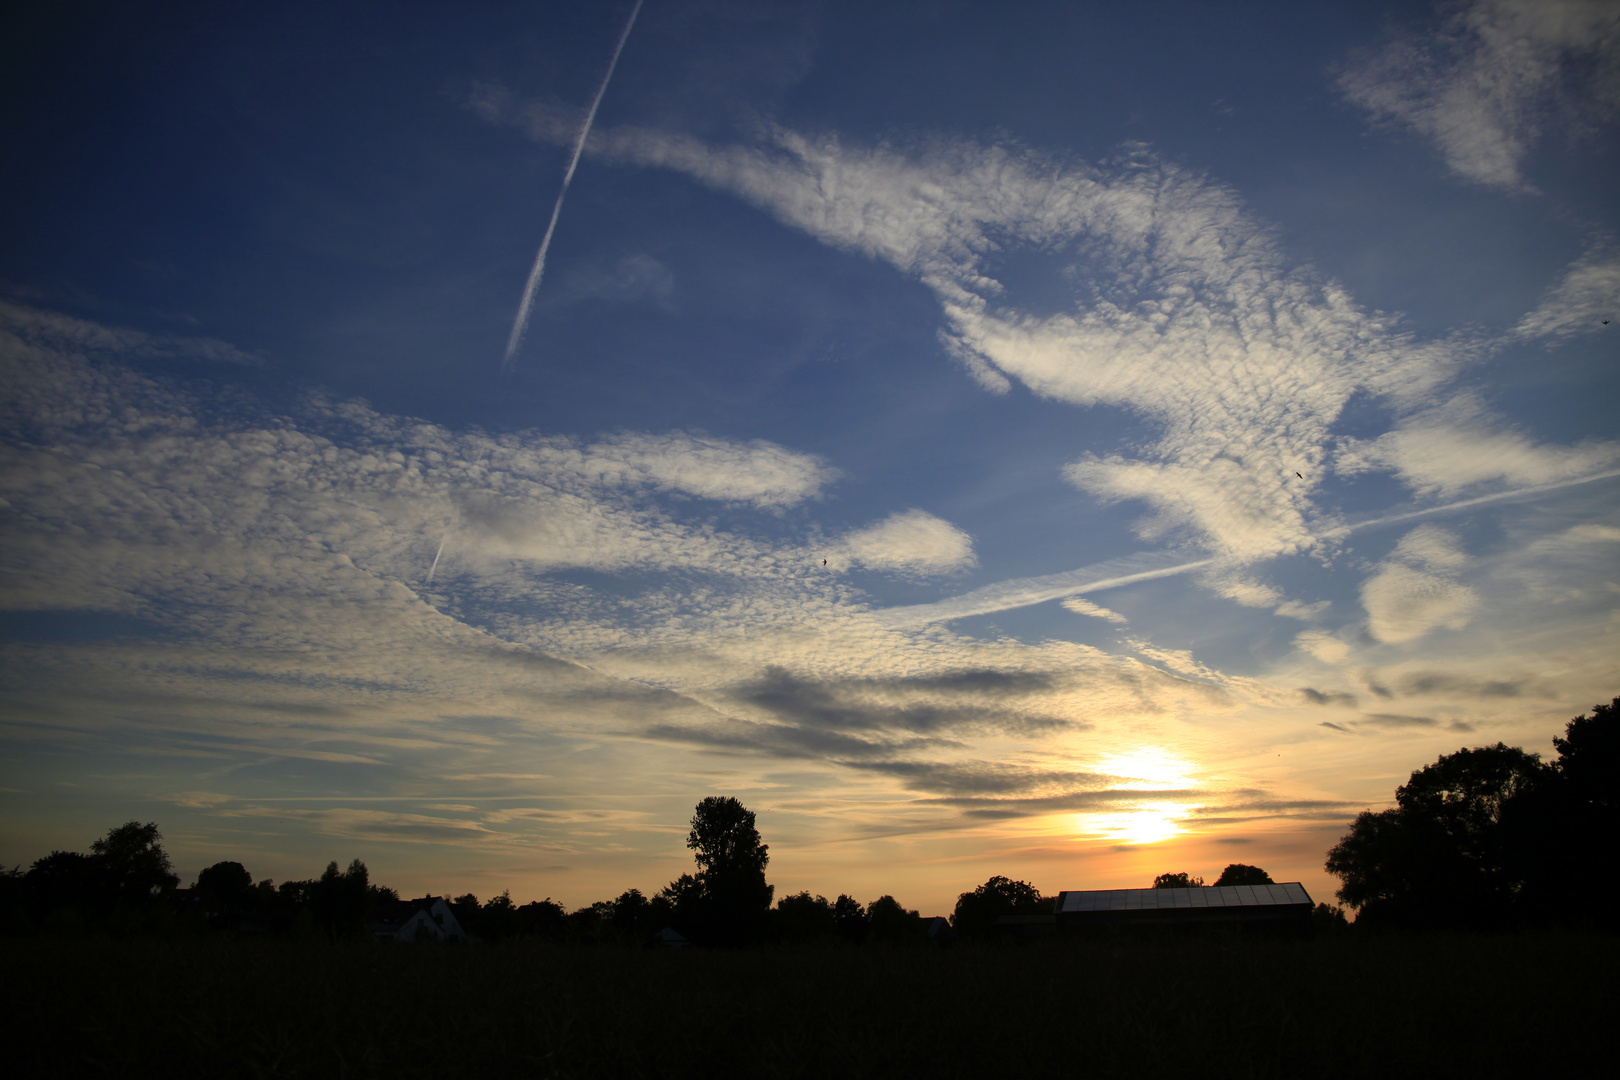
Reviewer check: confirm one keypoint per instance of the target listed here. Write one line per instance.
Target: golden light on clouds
(1147, 823)
(1148, 768)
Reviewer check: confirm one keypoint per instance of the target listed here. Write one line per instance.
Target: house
(1285, 906)
(428, 920)
(668, 938)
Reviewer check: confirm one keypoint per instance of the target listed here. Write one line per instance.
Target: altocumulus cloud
(1416, 589)
(911, 542)
(1187, 313)
(1492, 76)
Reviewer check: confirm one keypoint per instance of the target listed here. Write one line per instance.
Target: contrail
(436, 555)
(521, 325)
(1500, 496)
(1024, 592)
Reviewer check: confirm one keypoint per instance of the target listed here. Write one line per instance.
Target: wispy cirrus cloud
(1585, 301)
(1487, 82)
(1081, 606)
(39, 326)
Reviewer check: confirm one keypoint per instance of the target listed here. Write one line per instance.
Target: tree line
(1492, 837)
(1483, 838)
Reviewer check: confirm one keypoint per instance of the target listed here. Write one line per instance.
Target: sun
(1147, 823)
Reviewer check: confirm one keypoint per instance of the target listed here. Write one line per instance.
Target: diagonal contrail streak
(1498, 496)
(436, 555)
(521, 325)
(1025, 592)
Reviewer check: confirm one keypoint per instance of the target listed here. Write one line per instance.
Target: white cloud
(912, 542)
(37, 326)
(1188, 312)
(126, 495)
(1416, 589)
(1322, 645)
(758, 472)
(1586, 298)
(1446, 449)
(1486, 83)
(1081, 606)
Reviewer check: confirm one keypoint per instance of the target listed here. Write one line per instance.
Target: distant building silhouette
(1282, 905)
(426, 920)
(669, 938)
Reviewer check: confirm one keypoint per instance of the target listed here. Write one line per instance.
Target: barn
(1284, 906)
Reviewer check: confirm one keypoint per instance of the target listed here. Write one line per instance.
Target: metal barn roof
(1213, 896)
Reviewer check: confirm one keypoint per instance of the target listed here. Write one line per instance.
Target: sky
(1075, 442)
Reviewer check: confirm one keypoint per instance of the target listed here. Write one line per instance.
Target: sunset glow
(1147, 823)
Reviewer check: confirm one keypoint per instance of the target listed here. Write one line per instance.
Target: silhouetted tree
(849, 918)
(802, 917)
(633, 915)
(66, 890)
(341, 901)
(888, 921)
(1557, 834)
(543, 918)
(680, 905)
(977, 911)
(1589, 756)
(1439, 856)
(1177, 881)
(137, 869)
(1328, 920)
(225, 891)
(731, 870)
(1243, 874)
(122, 884)
(469, 913)
(14, 917)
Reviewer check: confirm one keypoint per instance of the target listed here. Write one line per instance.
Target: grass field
(1449, 1006)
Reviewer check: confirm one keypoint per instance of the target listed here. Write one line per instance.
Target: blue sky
(1068, 441)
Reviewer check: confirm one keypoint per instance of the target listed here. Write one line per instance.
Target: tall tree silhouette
(1558, 834)
(137, 868)
(731, 864)
(1440, 855)
(226, 891)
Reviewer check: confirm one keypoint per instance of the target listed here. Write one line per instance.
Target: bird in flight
(1300, 475)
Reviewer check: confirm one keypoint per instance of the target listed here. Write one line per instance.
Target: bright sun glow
(1148, 823)
(1148, 768)
(1145, 769)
